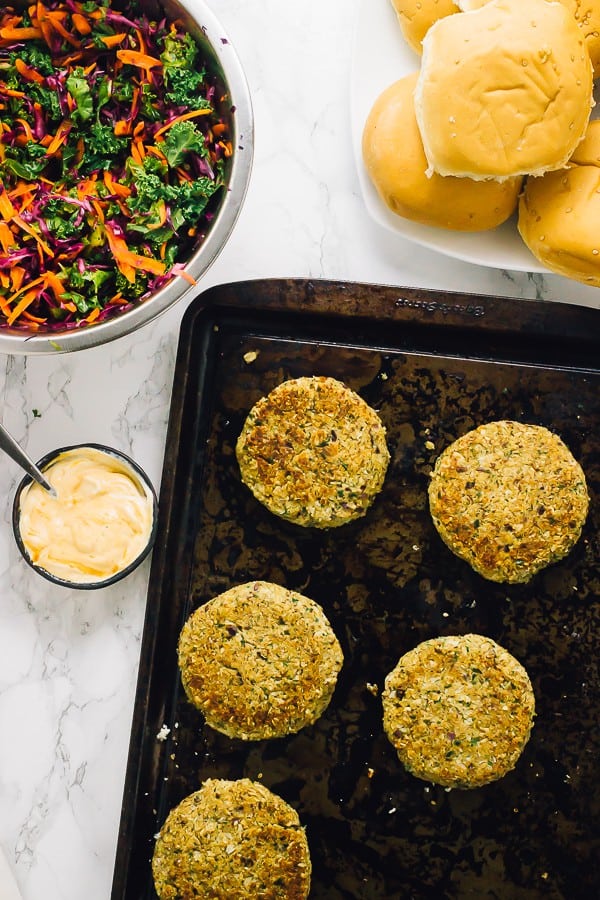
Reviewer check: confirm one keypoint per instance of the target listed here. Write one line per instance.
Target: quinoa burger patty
(232, 840)
(458, 710)
(259, 661)
(313, 452)
(509, 499)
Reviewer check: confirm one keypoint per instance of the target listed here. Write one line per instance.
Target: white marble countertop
(68, 660)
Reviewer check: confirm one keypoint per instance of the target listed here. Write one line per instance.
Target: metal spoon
(16, 453)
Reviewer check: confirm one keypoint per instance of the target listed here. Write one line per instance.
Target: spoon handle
(16, 453)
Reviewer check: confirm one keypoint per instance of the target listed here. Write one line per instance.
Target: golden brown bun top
(588, 151)
(417, 16)
(395, 161)
(586, 14)
(504, 90)
(559, 214)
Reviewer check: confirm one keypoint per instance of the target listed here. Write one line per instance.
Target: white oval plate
(381, 56)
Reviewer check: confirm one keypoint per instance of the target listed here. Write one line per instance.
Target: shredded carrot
(134, 103)
(25, 301)
(66, 61)
(11, 20)
(98, 210)
(13, 297)
(113, 40)
(17, 275)
(21, 188)
(59, 138)
(140, 60)
(9, 35)
(31, 284)
(7, 238)
(183, 175)
(153, 150)
(35, 321)
(4, 306)
(115, 187)
(188, 115)
(137, 151)
(140, 40)
(27, 72)
(7, 210)
(55, 284)
(80, 23)
(24, 226)
(88, 187)
(122, 128)
(89, 192)
(26, 202)
(162, 216)
(56, 19)
(39, 16)
(28, 133)
(128, 261)
(187, 277)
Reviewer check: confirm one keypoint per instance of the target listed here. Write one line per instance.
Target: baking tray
(435, 365)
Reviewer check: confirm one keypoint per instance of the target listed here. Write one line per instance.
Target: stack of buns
(494, 122)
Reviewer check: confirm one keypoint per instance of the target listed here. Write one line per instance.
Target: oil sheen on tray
(386, 582)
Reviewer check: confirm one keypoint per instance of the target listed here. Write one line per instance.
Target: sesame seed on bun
(396, 164)
(417, 16)
(559, 214)
(503, 90)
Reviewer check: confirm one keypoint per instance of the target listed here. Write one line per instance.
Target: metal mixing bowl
(223, 63)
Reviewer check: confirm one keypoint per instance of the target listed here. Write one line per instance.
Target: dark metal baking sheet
(434, 365)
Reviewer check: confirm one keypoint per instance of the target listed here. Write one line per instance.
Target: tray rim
(413, 305)
(555, 321)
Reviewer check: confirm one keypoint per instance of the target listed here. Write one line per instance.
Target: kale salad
(113, 144)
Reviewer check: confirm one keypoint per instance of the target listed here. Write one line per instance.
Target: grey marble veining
(68, 660)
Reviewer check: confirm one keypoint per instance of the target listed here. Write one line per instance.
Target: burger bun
(559, 214)
(395, 161)
(503, 90)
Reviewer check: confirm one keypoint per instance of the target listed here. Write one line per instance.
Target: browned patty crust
(509, 499)
(458, 710)
(259, 661)
(232, 840)
(313, 452)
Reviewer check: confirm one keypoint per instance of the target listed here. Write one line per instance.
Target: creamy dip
(99, 522)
